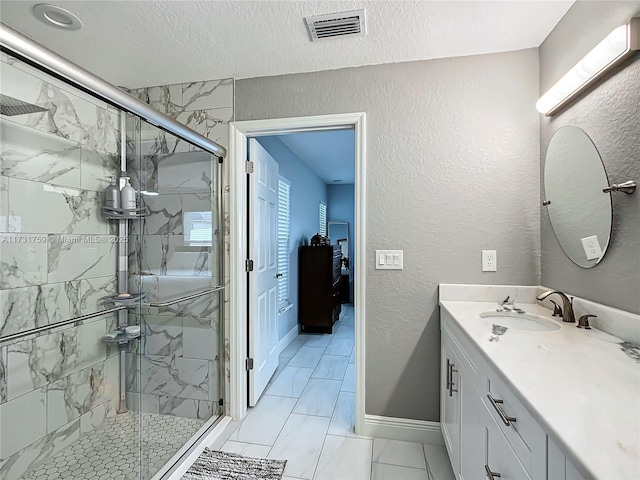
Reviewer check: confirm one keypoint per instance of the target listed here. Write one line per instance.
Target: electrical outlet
(591, 247)
(489, 261)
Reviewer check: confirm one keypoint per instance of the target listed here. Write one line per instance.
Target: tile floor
(306, 416)
(112, 451)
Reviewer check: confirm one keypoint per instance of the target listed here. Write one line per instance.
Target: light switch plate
(389, 259)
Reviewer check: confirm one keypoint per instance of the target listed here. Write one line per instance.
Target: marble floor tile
(343, 418)
(307, 357)
(339, 346)
(381, 471)
(352, 358)
(264, 421)
(345, 331)
(290, 382)
(247, 449)
(293, 347)
(300, 443)
(349, 382)
(317, 340)
(438, 462)
(396, 452)
(345, 459)
(318, 398)
(332, 367)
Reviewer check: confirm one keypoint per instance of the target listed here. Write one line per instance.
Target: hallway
(306, 416)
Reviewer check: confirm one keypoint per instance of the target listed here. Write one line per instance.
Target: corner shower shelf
(130, 301)
(123, 213)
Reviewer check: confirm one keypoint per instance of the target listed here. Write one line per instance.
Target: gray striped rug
(214, 465)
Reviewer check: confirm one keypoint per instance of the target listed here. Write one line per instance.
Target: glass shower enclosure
(83, 392)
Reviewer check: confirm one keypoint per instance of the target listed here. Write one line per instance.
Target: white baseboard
(287, 339)
(406, 429)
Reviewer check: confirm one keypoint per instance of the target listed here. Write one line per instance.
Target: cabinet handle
(452, 370)
(491, 475)
(448, 374)
(505, 418)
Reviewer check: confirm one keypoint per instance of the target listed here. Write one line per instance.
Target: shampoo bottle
(128, 197)
(112, 195)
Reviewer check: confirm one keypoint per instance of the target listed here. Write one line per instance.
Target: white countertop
(583, 386)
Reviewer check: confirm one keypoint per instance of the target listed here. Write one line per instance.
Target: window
(323, 220)
(197, 228)
(284, 187)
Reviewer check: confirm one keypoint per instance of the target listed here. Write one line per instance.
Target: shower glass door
(173, 374)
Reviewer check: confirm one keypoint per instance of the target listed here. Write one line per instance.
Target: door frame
(238, 294)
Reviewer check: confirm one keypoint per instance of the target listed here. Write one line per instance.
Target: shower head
(12, 106)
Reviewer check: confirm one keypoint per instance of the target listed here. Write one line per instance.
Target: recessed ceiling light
(337, 181)
(56, 16)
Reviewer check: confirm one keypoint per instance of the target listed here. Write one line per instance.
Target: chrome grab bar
(44, 328)
(182, 299)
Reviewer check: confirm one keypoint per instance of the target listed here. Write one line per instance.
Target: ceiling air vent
(342, 24)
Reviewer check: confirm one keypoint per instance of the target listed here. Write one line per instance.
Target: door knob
(278, 274)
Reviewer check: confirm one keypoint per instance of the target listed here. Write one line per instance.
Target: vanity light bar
(615, 48)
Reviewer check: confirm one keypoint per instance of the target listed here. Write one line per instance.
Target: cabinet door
(502, 461)
(450, 403)
(472, 430)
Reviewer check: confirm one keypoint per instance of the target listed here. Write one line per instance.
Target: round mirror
(580, 212)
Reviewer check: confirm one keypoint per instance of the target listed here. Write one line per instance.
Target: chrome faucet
(567, 305)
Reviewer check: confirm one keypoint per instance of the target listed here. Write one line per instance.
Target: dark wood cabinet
(318, 288)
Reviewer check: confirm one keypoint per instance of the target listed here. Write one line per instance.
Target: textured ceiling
(144, 43)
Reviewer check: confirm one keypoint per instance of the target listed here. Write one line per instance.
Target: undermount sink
(522, 321)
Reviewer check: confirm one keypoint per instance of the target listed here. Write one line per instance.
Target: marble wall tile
(32, 155)
(163, 335)
(68, 115)
(92, 292)
(30, 307)
(163, 216)
(112, 380)
(187, 407)
(23, 260)
(175, 377)
(208, 94)
(141, 402)
(74, 395)
(169, 255)
(34, 363)
(24, 421)
(186, 172)
(96, 167)
(4, 204)
(201, 338)
(166, 99)
(40, 451)
(96, 417)
(212, 123)
(206, 306)
(43, 208)
(147, 284)
(74, 258)
(3, 375)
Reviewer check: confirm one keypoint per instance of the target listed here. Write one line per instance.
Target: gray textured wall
(610, 114)
(452, 168)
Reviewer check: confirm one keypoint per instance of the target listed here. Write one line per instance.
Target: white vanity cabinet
(488, 432)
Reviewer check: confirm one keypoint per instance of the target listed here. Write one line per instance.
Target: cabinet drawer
(501, 458)
(523, 432)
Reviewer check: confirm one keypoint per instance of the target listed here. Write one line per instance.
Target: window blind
(284, 188)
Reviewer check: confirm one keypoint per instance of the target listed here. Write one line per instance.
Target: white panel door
(263, 285)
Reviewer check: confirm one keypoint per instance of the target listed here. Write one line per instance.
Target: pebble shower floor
(112, 451)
